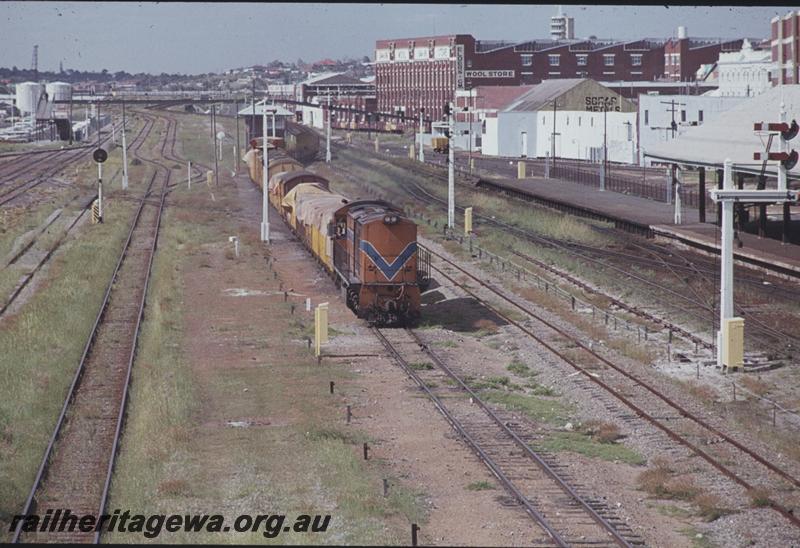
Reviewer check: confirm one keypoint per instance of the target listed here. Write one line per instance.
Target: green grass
(312, 464)
(480, 486)
(520, 369)
(540, 389)
(493, 383)
(421, 366)
(576, 442)
(42, 347)
(538, 409)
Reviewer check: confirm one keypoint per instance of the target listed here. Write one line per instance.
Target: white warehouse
(519, 122)
(656, 113)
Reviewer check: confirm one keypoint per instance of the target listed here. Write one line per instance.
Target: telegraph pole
(328, 133)
(253, 123)
(553, 144)
(238, 150)
(451, 175)
(124, 152)
(265, 182)
(605, 142)
(71, 136)
(421, 131)
(673, 110)
(214, 131)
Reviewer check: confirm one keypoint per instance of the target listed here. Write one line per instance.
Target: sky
(193, 38)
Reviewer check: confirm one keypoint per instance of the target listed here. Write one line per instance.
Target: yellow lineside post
(209, 177)
(320, 327)
(520, 170)
(733, 352)
(412, 152)
(377, 144)
(467, 221)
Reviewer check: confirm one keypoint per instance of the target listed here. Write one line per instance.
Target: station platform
(653, 218)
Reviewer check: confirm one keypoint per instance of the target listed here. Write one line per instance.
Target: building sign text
(489, 74)
(600, 104)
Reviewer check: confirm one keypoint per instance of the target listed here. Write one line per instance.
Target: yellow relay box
(733, 336)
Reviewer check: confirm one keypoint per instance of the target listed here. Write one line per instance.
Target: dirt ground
(236, 323)
(265, 435)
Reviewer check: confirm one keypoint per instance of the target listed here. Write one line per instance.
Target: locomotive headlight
(390, 219)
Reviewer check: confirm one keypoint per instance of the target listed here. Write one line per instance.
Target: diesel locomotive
(368, 247)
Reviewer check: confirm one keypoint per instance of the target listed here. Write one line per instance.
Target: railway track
(633, 399)
(672, 299)
(565, 512)
(136, 145)
(77, 466)
(566, 516)
(39, 169)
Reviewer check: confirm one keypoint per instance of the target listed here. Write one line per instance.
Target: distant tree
(365, 59)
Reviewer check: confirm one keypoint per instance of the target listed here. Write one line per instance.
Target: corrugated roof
(731, 135)
(542, 94)
(279, 110)
(498, 97)
(337, 80)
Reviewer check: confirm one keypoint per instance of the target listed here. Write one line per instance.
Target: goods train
(368, 247)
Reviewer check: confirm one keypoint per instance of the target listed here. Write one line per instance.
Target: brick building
(350, 97)
(786, 48)
(414, 73)
(684, 55)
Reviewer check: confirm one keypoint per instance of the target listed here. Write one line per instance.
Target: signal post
(730, 337)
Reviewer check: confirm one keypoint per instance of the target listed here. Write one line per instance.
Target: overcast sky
(211, 37)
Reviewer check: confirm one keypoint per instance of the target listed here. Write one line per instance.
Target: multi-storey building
(786, 48)
(744, 73)
(562, 27)
(684, 55)
(424, 73)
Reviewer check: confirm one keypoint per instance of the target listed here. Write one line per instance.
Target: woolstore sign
(489, 74)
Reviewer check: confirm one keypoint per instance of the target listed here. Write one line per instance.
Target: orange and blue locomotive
(369, 247)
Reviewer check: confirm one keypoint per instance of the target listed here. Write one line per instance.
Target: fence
(651, 184)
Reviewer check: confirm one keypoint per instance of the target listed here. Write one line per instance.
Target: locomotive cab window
(340, 230)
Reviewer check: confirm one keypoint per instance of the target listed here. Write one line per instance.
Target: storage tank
(58, 91)
(682, 32)
(28, 95)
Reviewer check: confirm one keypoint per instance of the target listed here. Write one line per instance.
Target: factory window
(683, 116)
(542, 120)
(554, 60)
(699, 115)
(636, 59)
(583, 60)
(591, 121)
(608, 59)
(469, 63)
(567, 120)
(647, 117)
(579, 121)
(527, 60)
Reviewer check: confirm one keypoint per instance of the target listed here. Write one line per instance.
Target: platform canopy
(731, 135)
(279, 110)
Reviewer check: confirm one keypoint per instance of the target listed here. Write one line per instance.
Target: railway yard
(560, 386)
